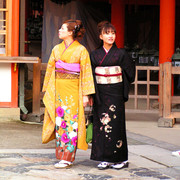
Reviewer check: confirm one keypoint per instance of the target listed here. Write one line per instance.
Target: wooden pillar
(118, 20)
(15, 51)
(22, 28)
(166, 50)
(15, 28)
(167, 30)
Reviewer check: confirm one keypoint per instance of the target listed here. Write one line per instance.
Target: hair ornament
(76, 28)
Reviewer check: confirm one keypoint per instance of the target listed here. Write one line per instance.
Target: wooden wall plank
(36, 87)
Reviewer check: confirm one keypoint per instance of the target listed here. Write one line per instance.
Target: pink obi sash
(71, 68)
(108, 74)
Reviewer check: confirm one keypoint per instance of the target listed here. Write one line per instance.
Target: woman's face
(108, 37)
(64, 33)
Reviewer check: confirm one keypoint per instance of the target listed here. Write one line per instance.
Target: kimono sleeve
(96, 95)
(128, 66)
(87, 81)
(50, 67)
(128, 70)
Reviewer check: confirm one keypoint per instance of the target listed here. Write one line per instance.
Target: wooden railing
(147, 96)
(167, 98)
(37, 95)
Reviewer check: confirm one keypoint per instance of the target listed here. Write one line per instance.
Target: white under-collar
(105, 49)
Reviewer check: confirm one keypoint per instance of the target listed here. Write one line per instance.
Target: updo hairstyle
(105, 26)
(76, 27)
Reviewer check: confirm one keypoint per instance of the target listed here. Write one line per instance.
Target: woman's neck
(107, 47)
(68, 41)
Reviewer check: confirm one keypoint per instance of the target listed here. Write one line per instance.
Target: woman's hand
(85, 100)
(90, 101)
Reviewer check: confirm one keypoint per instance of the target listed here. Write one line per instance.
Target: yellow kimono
(54, 91)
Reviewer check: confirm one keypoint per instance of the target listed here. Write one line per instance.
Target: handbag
(89, 133)
(89, 125)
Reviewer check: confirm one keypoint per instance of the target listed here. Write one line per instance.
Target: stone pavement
(22, 156)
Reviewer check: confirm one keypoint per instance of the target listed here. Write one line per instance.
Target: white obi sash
(108, 74)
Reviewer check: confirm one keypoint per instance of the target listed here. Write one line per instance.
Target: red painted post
(118, 20)
(15, 52)
(167, 30)
(167, 33)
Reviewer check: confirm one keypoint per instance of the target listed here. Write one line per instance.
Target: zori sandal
(103, 165)
(176, 153)
(124, 164)
(63, 164)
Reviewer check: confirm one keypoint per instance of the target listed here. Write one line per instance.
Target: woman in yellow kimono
(67, 84)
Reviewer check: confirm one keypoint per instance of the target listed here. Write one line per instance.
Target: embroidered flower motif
(63, 124)
(57, 135)
(57, 143)
(71, 122)
(72, 134)
(60, 111)
(74, 141)
(75, 116)
(70, 148)
(64, 107)
(75, 125)
(106, 129)
(105, 119)
(68, 111)
(112, 108)
(119, 143)
(58, 121)
(64, 138)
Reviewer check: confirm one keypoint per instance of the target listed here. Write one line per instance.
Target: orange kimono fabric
(75, 53)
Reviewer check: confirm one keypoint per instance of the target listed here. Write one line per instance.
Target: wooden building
(14, 46)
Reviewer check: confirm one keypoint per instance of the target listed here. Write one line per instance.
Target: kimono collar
(113, 46)
(106, 49)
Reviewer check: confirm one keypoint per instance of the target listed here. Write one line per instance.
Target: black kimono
(109, 131)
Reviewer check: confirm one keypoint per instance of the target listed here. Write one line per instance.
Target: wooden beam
(144, 96)
(150, 82)
(18, 59)
(175, 99)
(175, 70)
(147, 67)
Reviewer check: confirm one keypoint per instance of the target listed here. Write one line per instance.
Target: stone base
(166, 122)
(10, 113)
(33, 117)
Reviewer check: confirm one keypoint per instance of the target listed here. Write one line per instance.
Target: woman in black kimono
(113, 72)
